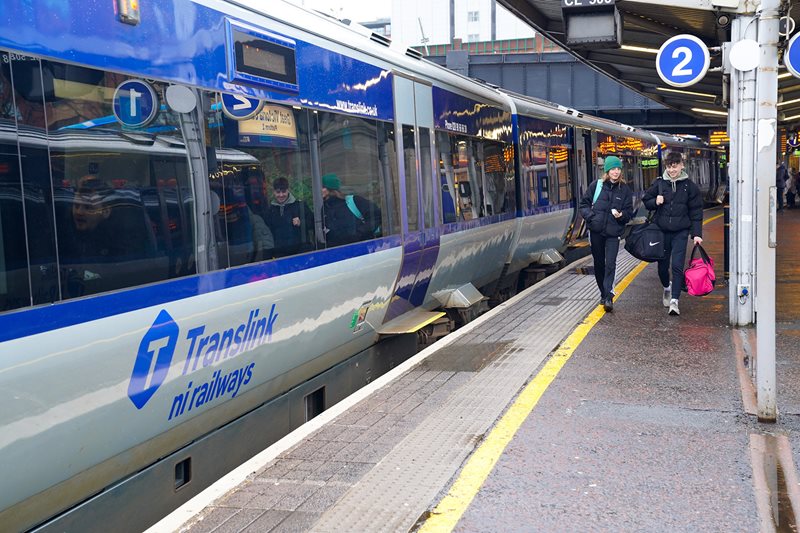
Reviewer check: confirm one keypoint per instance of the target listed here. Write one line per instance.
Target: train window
(89, 188)
(427, 178)
(649, 164)
(463, 197)
(412, 194)
(14, 284)
(630, 172)
(122, 197)
(261, 175)
(498, 177)
(353, 158)
(559, 162)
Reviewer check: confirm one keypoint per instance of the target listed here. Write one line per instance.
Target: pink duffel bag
(700, 277)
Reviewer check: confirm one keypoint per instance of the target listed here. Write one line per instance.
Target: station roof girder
(647, 24)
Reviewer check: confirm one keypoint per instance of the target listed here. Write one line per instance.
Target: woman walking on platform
(679, 214)
(607, 205)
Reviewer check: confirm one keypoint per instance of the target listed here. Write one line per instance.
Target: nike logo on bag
(654, 243)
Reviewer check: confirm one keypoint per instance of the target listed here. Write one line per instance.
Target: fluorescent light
(792, 117)
(710, 111)
(784, 75)
(692, 93)
(787, 102)
(639, 49)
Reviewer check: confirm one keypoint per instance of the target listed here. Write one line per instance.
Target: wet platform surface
(643, 428)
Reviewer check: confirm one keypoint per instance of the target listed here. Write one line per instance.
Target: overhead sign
(683, 60)
(135, 103)
(591, 23)
(240, 107)
(791, 57)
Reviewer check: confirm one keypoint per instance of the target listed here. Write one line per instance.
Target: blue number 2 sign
(683, 60)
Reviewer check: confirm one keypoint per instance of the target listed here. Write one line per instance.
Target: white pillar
(766, 115)
(741, 171)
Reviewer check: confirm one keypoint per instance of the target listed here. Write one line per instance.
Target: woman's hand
(659, 199)
(698, 240)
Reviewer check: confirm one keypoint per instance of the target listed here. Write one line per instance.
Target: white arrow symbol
(245, 103)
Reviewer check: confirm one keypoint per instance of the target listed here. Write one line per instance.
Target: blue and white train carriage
(159, 319)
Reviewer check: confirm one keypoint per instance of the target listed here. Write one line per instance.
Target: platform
(548, 414)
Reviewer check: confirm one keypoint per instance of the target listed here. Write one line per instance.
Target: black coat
(682, 208)
(290, 239)
(598, 214)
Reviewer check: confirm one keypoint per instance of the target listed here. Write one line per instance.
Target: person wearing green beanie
(347, 217)
(331, 182)
(606, 206)
(611, 161)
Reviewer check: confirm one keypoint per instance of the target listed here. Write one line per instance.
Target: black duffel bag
(646, 242)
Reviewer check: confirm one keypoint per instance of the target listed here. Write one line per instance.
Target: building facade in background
(439, 22)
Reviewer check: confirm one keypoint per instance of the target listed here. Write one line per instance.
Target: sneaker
(673, 307)
(608, 305)
(667, 295)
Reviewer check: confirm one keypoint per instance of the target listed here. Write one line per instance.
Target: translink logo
(153, 360)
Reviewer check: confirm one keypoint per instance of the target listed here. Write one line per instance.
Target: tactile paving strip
(399, 489)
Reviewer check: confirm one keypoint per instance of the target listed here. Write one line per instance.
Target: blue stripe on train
(30, 321)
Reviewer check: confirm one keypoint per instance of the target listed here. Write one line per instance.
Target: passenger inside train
(109, 228)
(290, 219)
(348, 217)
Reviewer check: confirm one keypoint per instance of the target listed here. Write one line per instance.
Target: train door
(584, 175)
(419, 205)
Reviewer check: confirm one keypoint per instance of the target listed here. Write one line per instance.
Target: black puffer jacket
(682, 207)
(598, 216)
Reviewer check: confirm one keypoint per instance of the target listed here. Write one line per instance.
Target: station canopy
(624, 47)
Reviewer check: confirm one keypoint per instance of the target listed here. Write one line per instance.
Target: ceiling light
(787, 102)
(784, 75)
(792, 117)
(639, 49)
(692, 93)
(709, 111)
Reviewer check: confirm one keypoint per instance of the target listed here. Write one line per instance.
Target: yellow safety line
(448, 512)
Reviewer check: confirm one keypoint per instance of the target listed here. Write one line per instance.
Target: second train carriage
(118, 366)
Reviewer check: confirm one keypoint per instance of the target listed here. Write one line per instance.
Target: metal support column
(766, 115)
(742, 128)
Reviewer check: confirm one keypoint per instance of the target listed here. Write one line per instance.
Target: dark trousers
(674, 256)
(604, 253)
(781, 191)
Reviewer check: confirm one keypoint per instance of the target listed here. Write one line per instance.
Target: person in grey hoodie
(679, 214)
(290, 221)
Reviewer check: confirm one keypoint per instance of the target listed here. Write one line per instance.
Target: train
(181, 280)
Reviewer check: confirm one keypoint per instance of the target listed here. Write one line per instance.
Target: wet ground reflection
(775, 482)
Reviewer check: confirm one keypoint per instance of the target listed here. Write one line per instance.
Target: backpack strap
(351, 205)
(597, 189)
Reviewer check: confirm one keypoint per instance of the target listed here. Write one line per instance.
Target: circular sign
(135, 103)
(240, 107)
(181, 98)
(791, 57)
(745, 54)
(683, 60)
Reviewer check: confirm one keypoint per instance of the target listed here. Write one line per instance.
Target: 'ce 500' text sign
(682, 61)
(571, 4)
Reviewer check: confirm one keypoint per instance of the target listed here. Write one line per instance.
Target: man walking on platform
(679, 213)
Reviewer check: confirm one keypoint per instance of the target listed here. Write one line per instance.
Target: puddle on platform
(771, 455)
(467, 357)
